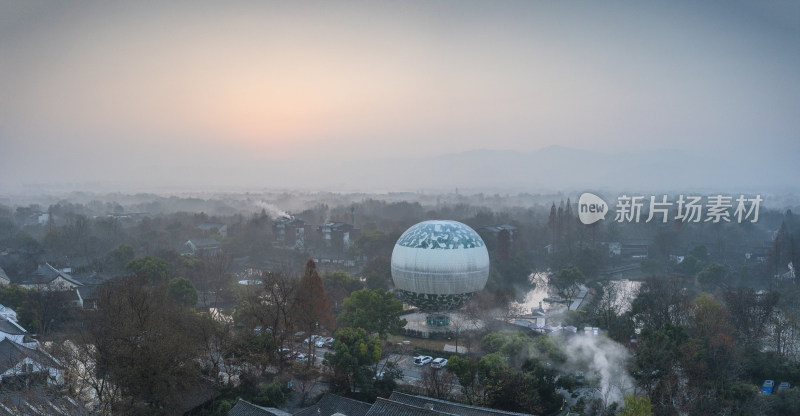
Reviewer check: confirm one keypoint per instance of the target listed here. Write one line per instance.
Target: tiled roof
(204, 242)
(44, 275)
(12, 353)
(384, 407)
(9, 327)
(245, 408)
(88, 292)
(448, 407)
(39, 401)
(330, 404)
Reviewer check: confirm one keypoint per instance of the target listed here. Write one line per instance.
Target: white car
(301, 357)
(422, 359)
(439, 362)
(320, 342)
(312, 338)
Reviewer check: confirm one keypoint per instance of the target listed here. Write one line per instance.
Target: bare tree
(82, 378)
(437, 383)
(215, 278)
(271, 305)
(750, 312)
(145, 343)
(306, 378)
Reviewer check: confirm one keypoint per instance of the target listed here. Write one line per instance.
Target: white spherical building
(438, 265)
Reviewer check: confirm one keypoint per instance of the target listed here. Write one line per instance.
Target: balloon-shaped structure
(438, 265)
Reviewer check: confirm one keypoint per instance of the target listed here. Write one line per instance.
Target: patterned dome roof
(437, 265)
(440, 235)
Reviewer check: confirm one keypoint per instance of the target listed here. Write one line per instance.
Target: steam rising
(605, 361)
(272, 210)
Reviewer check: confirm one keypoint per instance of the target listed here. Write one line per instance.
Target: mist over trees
(715, 315)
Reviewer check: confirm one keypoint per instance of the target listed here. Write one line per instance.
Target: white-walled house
(19, 362)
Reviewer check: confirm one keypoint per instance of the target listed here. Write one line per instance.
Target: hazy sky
(185, 92)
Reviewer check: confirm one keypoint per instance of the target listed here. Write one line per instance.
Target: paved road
(411, 373)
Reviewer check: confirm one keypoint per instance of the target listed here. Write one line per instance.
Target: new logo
(591, 208)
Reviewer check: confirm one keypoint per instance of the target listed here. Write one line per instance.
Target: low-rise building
(289, 232)
(46, 277)
(22, 363)
(337, 236)
(203, 247)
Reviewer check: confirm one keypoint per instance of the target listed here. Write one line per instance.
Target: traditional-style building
(203, 247)
(46, 277)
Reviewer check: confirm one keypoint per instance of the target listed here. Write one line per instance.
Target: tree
(711, 276)
(713, 341)
(312, 310)
(145, 344)
(637, 406)
(82, 379)
(437, 383)
(214, 276)
(183, 291)
(372, 244)
(503, 245)
(510, 277)
(378, 272)
(13, 296)
(339, 285)
(750, 314)
(42, 310)
(568, 282)
(270, 394)
(116, 260)
(699, 252)
(661, 301)
(589, 261)
(152, 268)
(466, 370)
(354, 355)
(377, 311)
(271, 305)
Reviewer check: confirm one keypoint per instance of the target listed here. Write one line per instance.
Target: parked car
(312, 338)
(439, 362)
(422, 359)
(784, 385)
(766, 388)
(301, 357)
(320, 342)
(260, 330)
(379, 375)
(329, 342)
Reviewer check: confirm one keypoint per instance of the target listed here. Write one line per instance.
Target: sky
(243, 94)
